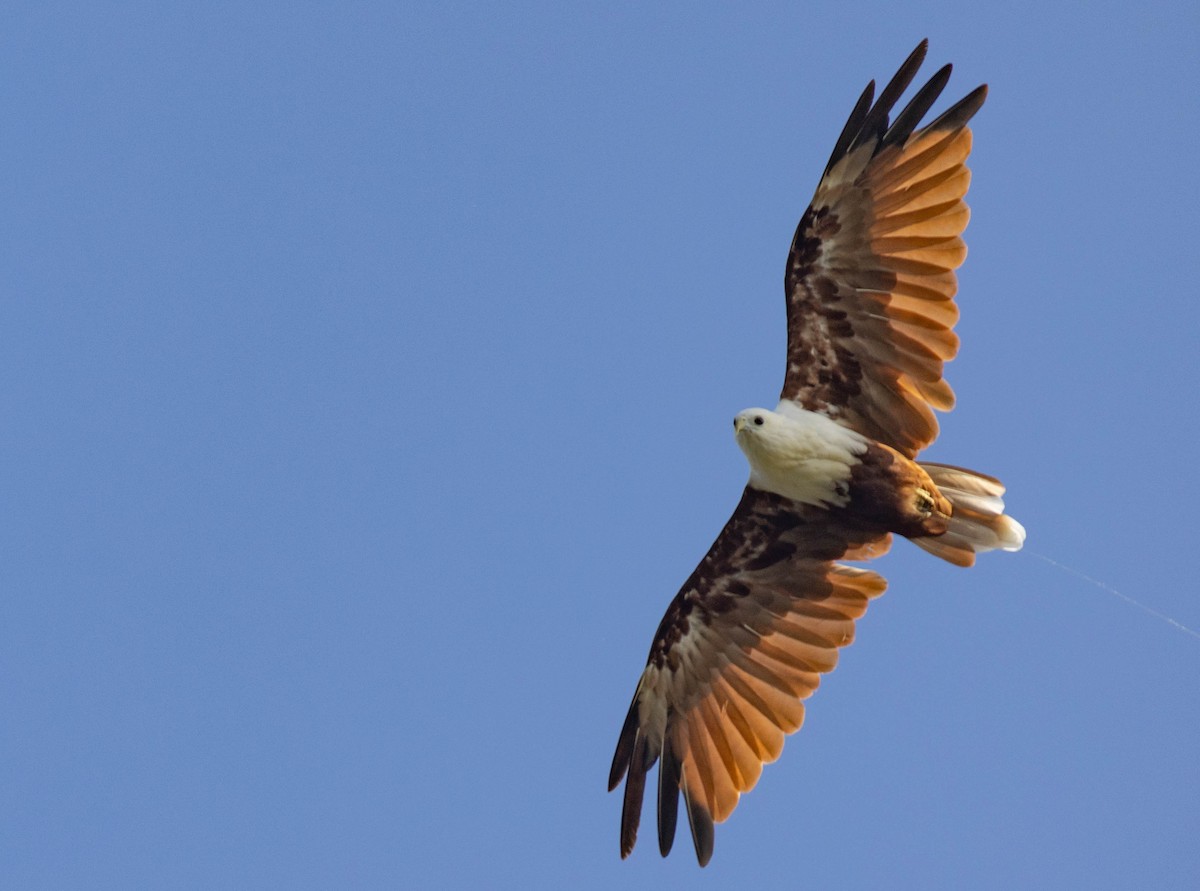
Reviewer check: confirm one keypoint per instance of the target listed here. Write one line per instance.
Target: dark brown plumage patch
(890, 492)
(822, 370)
(751, 540)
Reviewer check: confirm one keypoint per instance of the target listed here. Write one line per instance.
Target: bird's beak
(738, 424)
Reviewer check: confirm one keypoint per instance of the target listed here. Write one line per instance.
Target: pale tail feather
(978, 523)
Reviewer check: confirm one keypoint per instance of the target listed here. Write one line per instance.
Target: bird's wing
(746, 639)
(870, 276)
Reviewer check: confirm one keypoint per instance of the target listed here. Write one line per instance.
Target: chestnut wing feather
(870, 280)
(742, 644)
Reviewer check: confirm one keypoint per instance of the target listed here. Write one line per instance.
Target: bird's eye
(758, 421)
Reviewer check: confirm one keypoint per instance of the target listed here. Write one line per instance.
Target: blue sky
(366, 374)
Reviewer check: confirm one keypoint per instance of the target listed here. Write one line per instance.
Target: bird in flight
(870, 291)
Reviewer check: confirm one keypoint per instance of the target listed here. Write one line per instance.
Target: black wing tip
(632, 762)
(620, 764)
(701, 823)
(960, 113)
(900, 80)
(869, 121)
(635, 788)
(853, 126)
(669, 770)
(906, 122)
(623, 756)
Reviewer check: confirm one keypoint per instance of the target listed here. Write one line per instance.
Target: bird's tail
(978, 522)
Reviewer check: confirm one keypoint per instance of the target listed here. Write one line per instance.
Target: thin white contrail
(1111, 590)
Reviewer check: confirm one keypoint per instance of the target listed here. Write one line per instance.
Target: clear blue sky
(366, 373)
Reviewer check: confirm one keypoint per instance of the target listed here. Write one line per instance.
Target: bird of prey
(870, 291)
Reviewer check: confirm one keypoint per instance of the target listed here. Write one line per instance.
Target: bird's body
(834, 473)
(810, 459)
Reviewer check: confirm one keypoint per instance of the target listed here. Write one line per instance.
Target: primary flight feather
(870, 291)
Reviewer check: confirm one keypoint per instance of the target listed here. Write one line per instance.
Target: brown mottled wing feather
(746, 639)
(870, 277)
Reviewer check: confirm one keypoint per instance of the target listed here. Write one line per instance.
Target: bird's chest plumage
(807, 458)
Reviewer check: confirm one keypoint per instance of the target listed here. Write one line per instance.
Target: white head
(761, 432)
(796, 453)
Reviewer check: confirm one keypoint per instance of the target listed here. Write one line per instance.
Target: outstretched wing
(870, 277)
(744, 641)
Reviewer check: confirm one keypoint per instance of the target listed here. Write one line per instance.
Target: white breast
(800, 454)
